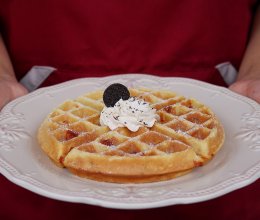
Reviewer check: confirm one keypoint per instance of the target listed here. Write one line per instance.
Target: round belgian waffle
(187, 135)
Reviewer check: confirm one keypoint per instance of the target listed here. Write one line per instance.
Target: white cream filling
(132, 113)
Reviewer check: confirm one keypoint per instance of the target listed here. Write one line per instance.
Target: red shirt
(96, 38)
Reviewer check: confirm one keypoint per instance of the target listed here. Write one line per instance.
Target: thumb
(249, 88)
(240, 87)
(18, 90)
(9, 91)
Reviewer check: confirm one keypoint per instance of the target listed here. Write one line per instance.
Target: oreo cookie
(114, 93)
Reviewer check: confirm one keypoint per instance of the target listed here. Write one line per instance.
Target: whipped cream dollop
(132, 113)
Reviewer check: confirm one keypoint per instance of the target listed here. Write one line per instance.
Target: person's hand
(248, 82)
(247, 87)
(9, 90)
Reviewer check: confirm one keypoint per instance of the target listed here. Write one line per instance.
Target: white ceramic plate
(236, 165)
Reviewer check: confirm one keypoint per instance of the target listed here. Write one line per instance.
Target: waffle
(186, 135)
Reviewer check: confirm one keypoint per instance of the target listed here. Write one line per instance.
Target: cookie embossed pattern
(251, 130)
(235, 166)
(11, 130)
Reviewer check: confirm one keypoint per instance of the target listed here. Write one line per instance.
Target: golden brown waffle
(186, 136)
